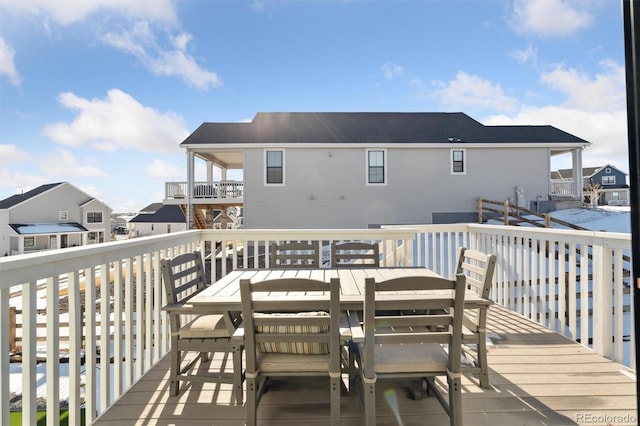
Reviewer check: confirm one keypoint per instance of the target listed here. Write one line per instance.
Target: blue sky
(100, 93)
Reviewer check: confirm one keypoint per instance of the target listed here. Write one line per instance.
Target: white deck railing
(224, 189)
(563, 188)
(106, 357)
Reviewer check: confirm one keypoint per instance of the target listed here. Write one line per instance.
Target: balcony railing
(569, 281)
(564, 188)
(221, 190)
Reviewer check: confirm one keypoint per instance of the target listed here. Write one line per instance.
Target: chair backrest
(183, 277)
(478, 267)
(439, 319)
(355, 255)
(272, 324)
(295, 254)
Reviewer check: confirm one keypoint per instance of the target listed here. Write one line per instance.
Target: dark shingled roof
(19, 198)
(372, 127)
(165, 214)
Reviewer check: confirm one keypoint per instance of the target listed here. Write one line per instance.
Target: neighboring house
(611, 183)
(352, 170)
(157, 219)
(56, 215)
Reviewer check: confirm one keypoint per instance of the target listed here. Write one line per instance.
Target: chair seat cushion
(270, 362)
(317, 348)
(205, 327)
(409, 358)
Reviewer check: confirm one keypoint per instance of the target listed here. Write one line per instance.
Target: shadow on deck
(537, 378)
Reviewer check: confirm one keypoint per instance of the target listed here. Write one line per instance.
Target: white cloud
(65, 165)
(7, 65)
(550, 18)
(473, 91)
(10, 154)
(390, 70)
(17, 182)
(65, 12)
(175, 61)
(604, 92)
(117, 122)
(528, 55)
(164, 170)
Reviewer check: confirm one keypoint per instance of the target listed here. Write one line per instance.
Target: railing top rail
(314, 234)
(23, 268)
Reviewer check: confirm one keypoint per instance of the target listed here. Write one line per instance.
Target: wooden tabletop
(224, 294)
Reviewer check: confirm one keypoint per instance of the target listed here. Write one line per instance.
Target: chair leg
(455, 400)
(237, 374)
(251, 403)
(174, 370)
(369, 397)
(482, 359)
(336, 387)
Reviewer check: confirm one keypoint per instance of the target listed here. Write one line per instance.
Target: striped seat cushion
(315, 348)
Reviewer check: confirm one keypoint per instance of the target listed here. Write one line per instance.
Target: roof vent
(455, 140)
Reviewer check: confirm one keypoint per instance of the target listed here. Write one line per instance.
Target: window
(63, 215)
(274, 166)
(94, 217)
(29, 242)
(608, 180)
(458, 162)
(615, 195)
(376, 168)
(607, 170)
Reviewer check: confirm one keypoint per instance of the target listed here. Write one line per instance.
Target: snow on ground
(601, 218)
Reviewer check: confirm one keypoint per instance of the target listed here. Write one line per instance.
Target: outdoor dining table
(224, 294)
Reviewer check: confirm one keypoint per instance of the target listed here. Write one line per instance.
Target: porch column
(20, 244)
(576, 156)
(209, 172)
(190, 180)
(57, 241)
(223, 173)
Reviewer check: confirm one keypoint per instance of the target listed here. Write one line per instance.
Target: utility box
(520, 201)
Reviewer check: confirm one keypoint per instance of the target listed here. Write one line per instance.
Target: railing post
(480, 210)
(547, 220)
(602, 300)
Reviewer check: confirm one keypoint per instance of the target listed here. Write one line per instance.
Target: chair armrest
(181, 308)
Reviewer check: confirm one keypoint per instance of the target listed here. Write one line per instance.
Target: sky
(100, 93)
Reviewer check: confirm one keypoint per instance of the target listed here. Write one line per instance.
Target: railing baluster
(29, 337)
(53, 350)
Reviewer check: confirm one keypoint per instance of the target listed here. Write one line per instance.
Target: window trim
(385, 167)
(63, 215)
(452, 161)
(611, 180)
(264, 162)
(95, 212)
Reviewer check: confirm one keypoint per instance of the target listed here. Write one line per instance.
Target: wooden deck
(537, 377)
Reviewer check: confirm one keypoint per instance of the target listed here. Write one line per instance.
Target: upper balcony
(223, 192)
(561, 330)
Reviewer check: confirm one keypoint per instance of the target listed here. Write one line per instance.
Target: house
(364, 169)
(609, 182)
(157, 219)
(51, 216)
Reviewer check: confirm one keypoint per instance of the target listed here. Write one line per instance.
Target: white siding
(326, 187)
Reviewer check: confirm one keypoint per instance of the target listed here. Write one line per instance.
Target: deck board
(537, 378)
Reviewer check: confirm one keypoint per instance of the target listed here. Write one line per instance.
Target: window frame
(266, 167)
(63, 215)
(91, 213)
(608, 180)
(453, 161)
(368, 167)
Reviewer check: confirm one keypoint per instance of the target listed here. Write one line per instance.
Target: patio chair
(285, 340)
(478, 267)
(183, 277)
(411, 346)
(295, 254)
(355, 255)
